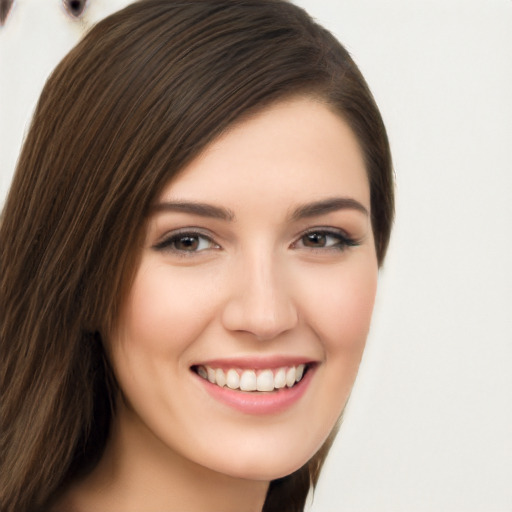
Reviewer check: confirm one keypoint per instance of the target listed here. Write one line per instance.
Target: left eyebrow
(327, 206)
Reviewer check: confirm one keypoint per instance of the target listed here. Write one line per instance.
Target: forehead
(295, 149)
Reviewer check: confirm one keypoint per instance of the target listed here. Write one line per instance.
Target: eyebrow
(313, 209)
(195, 208)
(327, 206)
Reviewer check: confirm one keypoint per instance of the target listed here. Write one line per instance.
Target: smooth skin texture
(266, 273)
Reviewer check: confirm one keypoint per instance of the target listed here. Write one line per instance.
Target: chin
(256, 461)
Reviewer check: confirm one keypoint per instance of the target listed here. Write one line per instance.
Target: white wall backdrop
(429, 424)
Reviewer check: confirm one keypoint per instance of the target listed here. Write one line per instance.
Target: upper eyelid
(173, 234)
(192, 230)
(329, 230)
(325, 229)
(344, 238)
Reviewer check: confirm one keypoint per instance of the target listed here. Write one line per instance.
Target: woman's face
(258, 270)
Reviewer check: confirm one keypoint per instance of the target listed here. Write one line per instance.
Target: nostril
(75, 7)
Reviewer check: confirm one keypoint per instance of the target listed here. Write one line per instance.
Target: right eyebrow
(194, 208)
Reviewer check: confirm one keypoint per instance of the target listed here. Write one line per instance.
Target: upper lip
(257, 362)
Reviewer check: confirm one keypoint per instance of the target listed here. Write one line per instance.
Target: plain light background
(429, 423)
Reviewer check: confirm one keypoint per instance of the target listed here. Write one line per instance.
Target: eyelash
(169, 243)
(342, 241)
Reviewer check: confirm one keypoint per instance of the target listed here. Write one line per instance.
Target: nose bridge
(261, 302)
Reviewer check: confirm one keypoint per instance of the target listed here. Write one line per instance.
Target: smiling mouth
(265, 380)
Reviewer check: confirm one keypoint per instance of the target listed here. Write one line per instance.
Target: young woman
(189, 257)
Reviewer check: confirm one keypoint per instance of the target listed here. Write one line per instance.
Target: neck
(139, 472)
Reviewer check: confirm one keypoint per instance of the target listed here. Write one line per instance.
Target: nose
(260, 301)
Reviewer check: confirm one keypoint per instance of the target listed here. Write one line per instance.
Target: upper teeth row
(250, 380)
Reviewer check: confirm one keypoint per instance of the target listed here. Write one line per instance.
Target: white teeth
(265, 381)
(253, 380)
(248, 381)
(232, 379)
(290, 376)
(220, 377)
(300, 372)
(280, 378)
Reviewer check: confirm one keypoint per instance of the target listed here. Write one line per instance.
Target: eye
(325, 239)
(186, 242)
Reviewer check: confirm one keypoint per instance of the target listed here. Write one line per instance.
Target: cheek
(339, 313)
(166, 310)
(340, 310)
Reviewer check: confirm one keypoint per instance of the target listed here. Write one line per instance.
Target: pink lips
(251, 402)
(256, 363)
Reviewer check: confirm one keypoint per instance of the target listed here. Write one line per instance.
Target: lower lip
(254, 402)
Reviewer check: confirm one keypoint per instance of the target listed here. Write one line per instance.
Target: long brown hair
(136, 100)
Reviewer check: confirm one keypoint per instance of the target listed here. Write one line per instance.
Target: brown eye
(5, 7)
(325, 239)
(187, 243)
(314, 240)
(75, 7)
